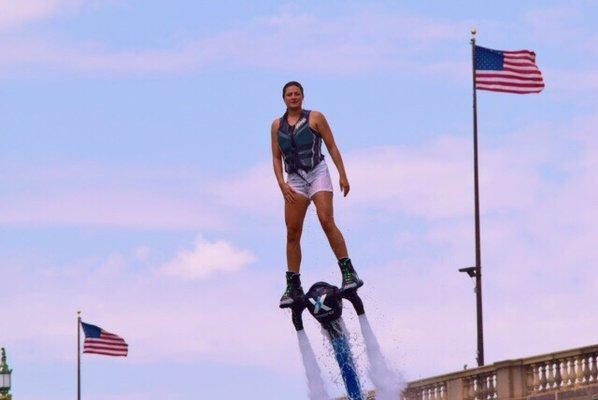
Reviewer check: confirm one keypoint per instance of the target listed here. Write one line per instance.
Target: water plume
(387, 382)
(315, 383)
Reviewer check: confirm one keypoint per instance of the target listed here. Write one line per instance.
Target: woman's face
(293, 97)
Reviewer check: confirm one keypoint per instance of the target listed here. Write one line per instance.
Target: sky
(136, 186)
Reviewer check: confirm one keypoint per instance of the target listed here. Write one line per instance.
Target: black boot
(293, 290)
(350, 278)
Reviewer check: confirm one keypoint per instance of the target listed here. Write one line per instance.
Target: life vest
(301, 145)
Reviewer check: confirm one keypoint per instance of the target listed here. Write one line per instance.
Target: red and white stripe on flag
(107, 344)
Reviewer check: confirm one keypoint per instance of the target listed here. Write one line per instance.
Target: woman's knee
(327, 222)
(293, 233)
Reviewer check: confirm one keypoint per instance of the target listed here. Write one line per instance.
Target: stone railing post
(511, 380)
(454, 389)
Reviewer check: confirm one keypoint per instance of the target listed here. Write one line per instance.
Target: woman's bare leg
(294, 215)
(323, 202)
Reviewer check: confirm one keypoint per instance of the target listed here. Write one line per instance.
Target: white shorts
(312, 182)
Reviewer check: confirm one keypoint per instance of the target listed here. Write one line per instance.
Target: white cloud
(181, 320)
(359, 41)
(433, 180)
(16, 13)
(258, 181)
(104, 196)
(572, 81)
(207, 258)
(142, 253)
(345, 44)
(557, 24)
(93, 58)
(113, 207)
(19, 14)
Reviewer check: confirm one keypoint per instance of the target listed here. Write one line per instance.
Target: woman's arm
(324, 130)
(287, 191)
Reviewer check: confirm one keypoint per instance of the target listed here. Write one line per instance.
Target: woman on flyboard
(297, 140)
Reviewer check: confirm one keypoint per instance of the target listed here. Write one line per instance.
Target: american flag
(98, 341)
(507, 71)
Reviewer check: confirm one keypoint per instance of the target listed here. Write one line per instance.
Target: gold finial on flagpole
(474, 31)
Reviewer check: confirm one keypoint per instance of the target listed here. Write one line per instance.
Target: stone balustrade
(570, 374)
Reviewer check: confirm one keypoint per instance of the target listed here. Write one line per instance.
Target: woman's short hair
(289, 84)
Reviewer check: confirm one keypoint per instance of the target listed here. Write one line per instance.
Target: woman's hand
(344, 184)
(287, 192)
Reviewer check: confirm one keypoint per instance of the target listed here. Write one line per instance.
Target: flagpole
(478, 253)
(78, 355)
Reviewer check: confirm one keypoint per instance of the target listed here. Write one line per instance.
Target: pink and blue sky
(136, 186)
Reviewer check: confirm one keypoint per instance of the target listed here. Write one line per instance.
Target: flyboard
(324, 303)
